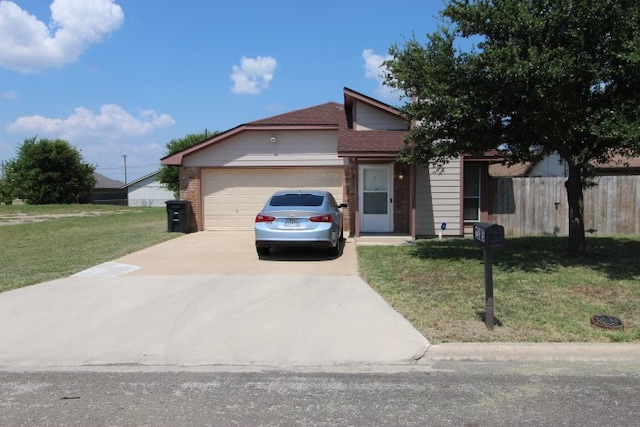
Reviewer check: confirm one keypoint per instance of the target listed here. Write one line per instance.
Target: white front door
(375, 192)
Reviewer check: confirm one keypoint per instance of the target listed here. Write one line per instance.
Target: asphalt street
(442, 394)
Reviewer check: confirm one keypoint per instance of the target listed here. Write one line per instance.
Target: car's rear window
(296, 200)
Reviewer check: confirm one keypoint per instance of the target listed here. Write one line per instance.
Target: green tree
(170, 175)
(6, 195)
(48, 171)
(529, 76)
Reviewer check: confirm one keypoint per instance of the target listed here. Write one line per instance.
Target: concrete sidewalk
(534, 352)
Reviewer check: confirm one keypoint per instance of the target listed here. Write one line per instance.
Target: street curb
(534, 352)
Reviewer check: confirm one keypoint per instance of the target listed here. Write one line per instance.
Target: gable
(367, 117)
(271, 148)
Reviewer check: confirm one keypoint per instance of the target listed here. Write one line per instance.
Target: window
(374, 191)
(471, 192)
(296, 200)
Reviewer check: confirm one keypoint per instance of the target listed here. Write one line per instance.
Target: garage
(233, 196)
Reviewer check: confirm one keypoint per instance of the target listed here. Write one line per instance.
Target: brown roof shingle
(370, 141)
(329, 114)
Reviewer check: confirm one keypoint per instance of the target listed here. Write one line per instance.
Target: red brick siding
(351, 192)
(190, 190)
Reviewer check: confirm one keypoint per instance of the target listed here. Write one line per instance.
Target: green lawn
(540, 295)
(55, 241)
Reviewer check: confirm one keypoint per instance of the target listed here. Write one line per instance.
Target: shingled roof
(350, 141)
(330, 114)
(370, 142)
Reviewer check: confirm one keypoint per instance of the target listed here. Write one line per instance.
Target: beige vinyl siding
(254, 148)
(438, 200)
(370, 118)
(233, 196)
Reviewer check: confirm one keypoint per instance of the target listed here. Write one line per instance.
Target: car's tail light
(265, 218)
(321, 218)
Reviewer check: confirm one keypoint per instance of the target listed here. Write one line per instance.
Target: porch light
(274, 140)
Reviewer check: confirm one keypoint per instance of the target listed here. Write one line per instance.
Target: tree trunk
(577, 241)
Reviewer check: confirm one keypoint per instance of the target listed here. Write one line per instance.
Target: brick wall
(351, 192)
(190, 190)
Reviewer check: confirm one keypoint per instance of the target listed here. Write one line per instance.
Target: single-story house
(148, 191)
(106, 191)
(348, 148)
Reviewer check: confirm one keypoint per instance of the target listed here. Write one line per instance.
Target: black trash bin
(178, 214)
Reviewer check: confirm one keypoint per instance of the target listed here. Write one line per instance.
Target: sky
(119, 79)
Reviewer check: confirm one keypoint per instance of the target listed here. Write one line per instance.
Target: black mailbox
(488, 235)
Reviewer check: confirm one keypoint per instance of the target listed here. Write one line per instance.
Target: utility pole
(124, 156)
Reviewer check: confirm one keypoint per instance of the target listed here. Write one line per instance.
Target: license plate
(291, 223)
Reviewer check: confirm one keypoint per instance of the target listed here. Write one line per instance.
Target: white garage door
(233, 197)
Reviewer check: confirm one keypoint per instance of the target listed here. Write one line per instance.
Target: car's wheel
(335, 250)
(263, 250)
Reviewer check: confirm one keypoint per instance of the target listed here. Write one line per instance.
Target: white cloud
(10, 94)
(111, 123)
(253, 75)
(28, 44)
(103, 137)
(374, 70)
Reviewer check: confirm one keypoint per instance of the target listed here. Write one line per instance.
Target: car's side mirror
(342, 205)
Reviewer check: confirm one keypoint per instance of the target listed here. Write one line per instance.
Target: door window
(375, 191)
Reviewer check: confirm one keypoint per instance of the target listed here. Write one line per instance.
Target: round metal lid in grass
(606, 322)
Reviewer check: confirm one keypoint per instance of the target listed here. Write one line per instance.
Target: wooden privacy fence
(538, 206)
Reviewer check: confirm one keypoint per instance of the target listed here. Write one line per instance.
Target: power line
(130, 166)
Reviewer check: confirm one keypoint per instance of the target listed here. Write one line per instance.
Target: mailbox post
(489, 236)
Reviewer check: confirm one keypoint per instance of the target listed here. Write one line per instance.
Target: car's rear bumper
(295, 243)
(324, 235)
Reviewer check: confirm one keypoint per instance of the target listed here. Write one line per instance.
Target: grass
(55, 241)
(540, 295)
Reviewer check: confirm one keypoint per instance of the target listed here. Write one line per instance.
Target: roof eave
(369, 154)
(350, 95)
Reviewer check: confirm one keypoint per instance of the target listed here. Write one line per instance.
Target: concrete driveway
(206, 299)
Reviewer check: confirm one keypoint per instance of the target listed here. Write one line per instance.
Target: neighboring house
(551, 165)
(107, 191)
(349, 149)
(148, 192)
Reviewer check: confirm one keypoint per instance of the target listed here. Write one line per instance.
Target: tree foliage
(48, 171)
(6, 193)
(529, 76)
(170, 175)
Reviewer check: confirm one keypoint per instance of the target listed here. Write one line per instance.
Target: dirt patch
(22, 218)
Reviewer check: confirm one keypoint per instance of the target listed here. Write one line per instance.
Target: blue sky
(124, 77)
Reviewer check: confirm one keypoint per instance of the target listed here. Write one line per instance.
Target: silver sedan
(300, 218)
